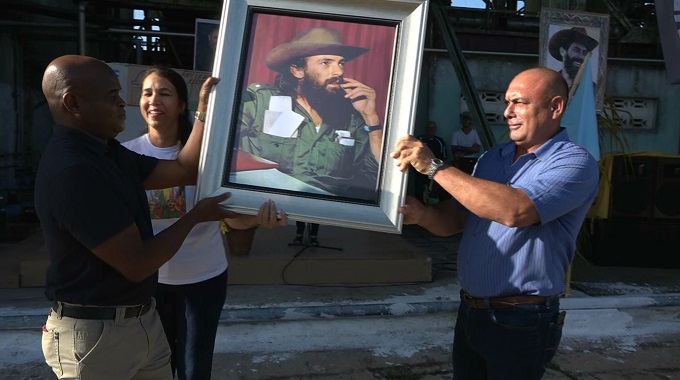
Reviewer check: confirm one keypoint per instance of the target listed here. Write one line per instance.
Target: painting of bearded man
(570, 39)
(315, 121)
(570, 46)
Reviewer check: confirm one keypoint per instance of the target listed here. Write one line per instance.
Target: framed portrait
(311, 100)
(205, 43)
(566, 38)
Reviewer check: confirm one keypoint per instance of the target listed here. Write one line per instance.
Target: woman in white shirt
(193, 284)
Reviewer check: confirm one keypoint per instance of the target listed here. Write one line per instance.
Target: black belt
(99, 312)
(502, 302)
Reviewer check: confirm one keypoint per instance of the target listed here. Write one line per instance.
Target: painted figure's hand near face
(363, 100)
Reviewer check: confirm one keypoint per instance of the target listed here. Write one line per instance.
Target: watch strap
(371, 128)
(200, 116)
(435, 165)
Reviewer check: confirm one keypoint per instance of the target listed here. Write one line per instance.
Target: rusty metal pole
(81, 27)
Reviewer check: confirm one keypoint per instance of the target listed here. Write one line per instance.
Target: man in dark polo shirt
(94, 214)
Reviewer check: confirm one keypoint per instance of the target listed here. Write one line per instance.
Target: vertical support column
(463, 74)
(81, 27)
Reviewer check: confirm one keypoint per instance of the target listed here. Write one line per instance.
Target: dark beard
(569, 66)
(331, 105)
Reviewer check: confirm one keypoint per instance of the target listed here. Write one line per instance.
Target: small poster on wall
(566, 38)
(205, 43)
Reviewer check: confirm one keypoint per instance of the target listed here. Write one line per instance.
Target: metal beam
(82, 7)
(463, 73)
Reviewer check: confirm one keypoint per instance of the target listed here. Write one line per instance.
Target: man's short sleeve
(566, 183)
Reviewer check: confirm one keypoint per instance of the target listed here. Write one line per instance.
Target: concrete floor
(622, 323)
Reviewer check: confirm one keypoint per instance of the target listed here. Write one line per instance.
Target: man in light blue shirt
(522, 209)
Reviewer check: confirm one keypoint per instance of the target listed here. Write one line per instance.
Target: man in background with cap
(570, 46)
(465, 144)
(316, 124)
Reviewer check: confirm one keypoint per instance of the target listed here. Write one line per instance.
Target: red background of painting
(373, 68)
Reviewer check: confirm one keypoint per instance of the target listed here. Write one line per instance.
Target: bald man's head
(536, 99)
(549, 81)
(83, 92)
(70, 73)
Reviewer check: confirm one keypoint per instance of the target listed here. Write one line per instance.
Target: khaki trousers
(116, 349)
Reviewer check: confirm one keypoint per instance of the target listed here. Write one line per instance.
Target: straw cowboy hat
(565, 37)
(313, 41)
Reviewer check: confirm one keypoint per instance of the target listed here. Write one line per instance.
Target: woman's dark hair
(184, 124)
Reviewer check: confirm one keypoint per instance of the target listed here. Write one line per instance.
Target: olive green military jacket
(316, 158)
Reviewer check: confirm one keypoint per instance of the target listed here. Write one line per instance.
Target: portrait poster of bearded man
(568, 47)
(329, 81)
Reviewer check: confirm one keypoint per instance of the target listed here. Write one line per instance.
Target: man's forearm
(444, 219)
(166, 243)
(137, 259)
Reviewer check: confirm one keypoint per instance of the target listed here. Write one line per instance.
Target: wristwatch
(435, 164)
(371, 128)
(200, 116)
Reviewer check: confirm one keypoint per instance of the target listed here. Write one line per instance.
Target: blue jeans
(190, 314)
(506, 343)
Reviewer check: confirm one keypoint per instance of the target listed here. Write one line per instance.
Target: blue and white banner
(580, 118)
(668, 18)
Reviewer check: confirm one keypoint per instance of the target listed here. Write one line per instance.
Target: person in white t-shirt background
(465, 144)
(192, 286)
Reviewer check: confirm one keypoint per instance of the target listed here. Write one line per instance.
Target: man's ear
(557, 106)
(71, 102)
(563, 52)
(297, 71)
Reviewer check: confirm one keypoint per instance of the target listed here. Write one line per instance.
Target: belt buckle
(472, 301)
(141, 310)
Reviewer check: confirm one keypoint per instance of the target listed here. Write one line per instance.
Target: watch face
(435, 164)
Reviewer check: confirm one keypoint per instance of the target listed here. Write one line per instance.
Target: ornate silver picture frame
(381, 42)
